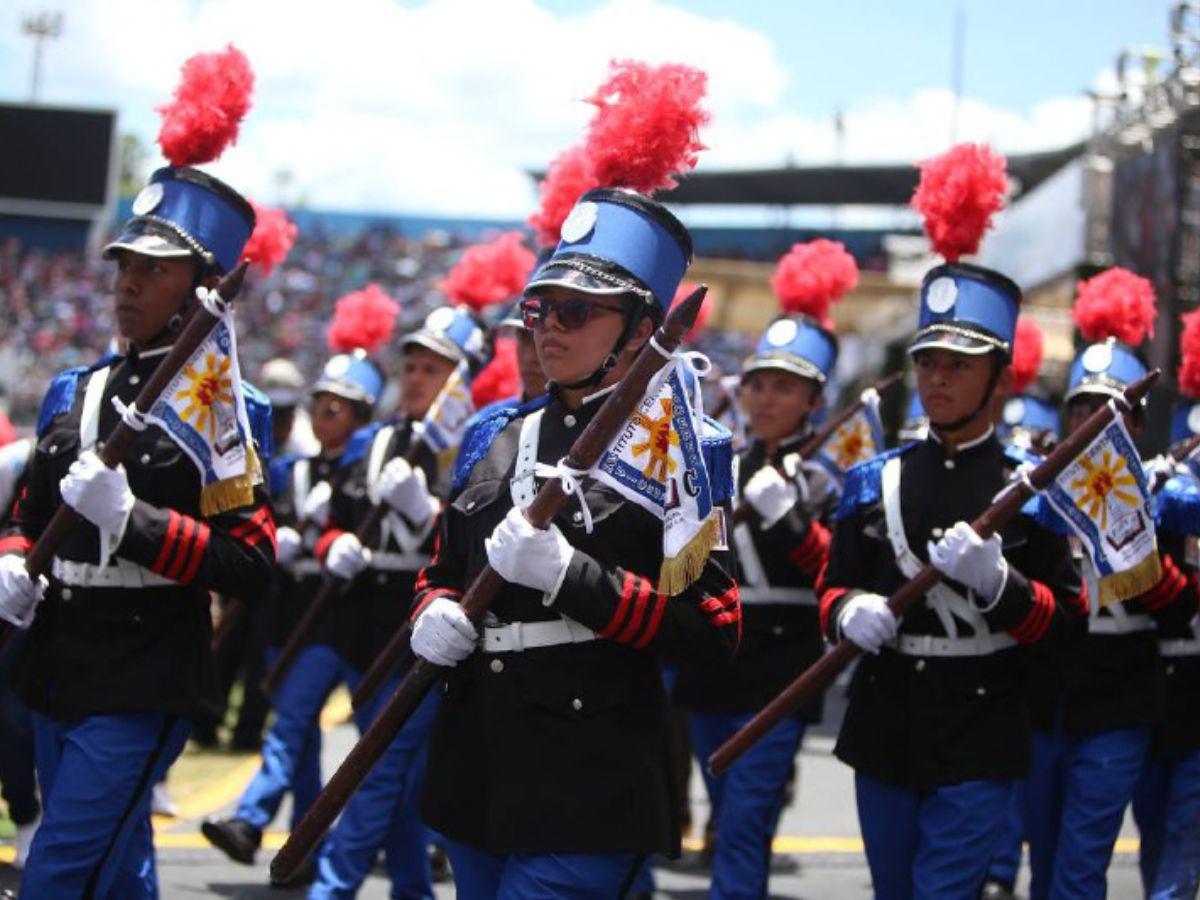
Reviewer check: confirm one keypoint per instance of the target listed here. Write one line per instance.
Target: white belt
(791, 596)
(1125, 625)
(517, 636)
(1179, 647)
(121, 574)
(398, 562)
(931, 645)
(304, 568)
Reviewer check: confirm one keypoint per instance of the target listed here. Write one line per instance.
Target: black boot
(236, 838)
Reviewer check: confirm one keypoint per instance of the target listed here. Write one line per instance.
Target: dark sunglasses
(571, 314)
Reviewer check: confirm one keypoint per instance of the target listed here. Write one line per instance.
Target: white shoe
(25, 835)
(161, 803)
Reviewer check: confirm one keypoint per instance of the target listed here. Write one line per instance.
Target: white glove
(770, 494)
(288, 545)
(13, 458)
(522, 554)
(347, 556)
(965, 557)
(99, 494)
(19, 594)
(315, 507)
(867, 621)
(403, 488)
(1163, 467)
(443, 634)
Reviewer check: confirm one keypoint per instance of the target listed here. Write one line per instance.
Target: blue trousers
(1006, 858)
(930, 844)
(1166, 805)
(1075, 800)
(747, 800)
(559, 876)
(96, 774)
(291, 754)
(383, 813)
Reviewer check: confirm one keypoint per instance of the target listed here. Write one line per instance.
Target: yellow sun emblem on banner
(1108, 476)
(204, 388)
(660, 438)
(852, 444)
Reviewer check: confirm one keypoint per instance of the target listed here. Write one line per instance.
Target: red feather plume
(500, 378)
(957, 195)
(1189, 350)
(1116, 304)
(207, 107)
(362, 320)
(811, 277)
(490, 273)
(1028, 347)
(646, 125)
(682, 293)
(570, 176)
(272, 240)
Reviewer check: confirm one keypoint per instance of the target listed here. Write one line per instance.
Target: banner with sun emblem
(203, 410)
(857, 440)
(1104, 497)
(657, 462)
(443, 426)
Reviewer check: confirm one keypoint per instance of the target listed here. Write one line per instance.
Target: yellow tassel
(1132, 582)
(679, 571)
(232, 493)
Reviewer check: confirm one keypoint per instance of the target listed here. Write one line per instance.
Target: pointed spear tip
(682, 316)
(231, 284)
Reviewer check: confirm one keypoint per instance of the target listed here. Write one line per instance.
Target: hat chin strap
(963, 421)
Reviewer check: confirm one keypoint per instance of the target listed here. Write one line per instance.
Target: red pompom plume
(811, 277)
(500, 378)
(646, 126)
(490, 273)
(362, 320)
(958, 194)
(1116, 304)
(203, 116)
(570, 176)
(1027, 353)
(1189, 350)
(272, 240)
(682, 293)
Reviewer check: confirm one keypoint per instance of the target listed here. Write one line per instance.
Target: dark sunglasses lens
(573, 313)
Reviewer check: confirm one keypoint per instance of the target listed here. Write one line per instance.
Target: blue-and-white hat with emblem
(1029, 413)
(967, 309)
(795, 344)
(1104, 368)
(354, 376)
(1185, 421)
(452, 332)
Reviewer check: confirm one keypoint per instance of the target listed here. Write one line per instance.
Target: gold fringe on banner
(1128, 584)
(679, 571)
(232, 493)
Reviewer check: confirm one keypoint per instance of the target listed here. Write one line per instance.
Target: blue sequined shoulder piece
(863, 486)
(476, 443)
(358, 445)
(716, 442)
(258, 411)
(1177, 506)
(61, 393)
(1036, 507)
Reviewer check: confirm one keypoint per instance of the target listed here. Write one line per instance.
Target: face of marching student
(334, 420)
(777, 403)
(952, 386)
(1081, 407)
(533, 376)
(149, 291)
(421, 377)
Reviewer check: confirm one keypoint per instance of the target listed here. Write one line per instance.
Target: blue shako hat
(1185, 421)
(795, 344)
(916, 424)
(1105, 368)
(452, 332)
(183, 212)
(1030, 413)
(617, 241)
(967, 309)
(354, 376)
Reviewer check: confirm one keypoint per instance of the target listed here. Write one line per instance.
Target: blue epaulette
(485, 413)
(280, 472)
(716, 442)
(1177, 506)
(358, 445)
(863, 486)
(475, 445)
(61, 393)
(258, 411)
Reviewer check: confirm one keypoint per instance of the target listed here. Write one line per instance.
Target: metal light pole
(40, 27)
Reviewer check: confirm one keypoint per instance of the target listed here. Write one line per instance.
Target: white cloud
(440, 107)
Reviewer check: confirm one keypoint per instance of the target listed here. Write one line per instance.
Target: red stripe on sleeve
(325, 541)
(186, 535)
(1168, 588)
(16, 543)
(168, 545)
(199, 547)
(656, 615)
(429, 598)
(614, 624)
(638, 615)
(825, 607)
(809, 555)
(1037, 620)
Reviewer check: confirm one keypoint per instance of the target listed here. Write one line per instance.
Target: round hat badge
(147, 199)
(1097, 358)
(1014, 411)
(337, 367)
(440, 319)
(782, 333)
(941, 295)
(1193, 419)
(580, 222)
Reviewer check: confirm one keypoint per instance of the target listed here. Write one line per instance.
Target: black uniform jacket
(94, 650)
(565, 749)
(779, 639)
(379, 600)
(924, 721)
